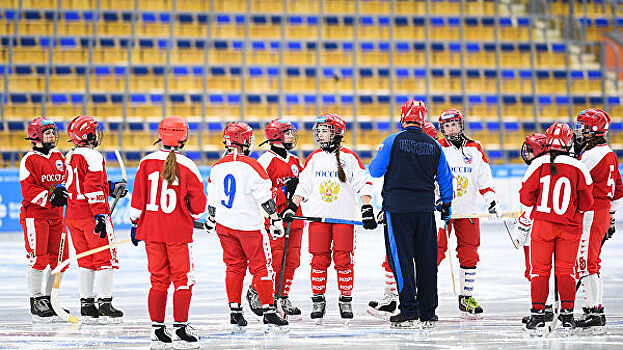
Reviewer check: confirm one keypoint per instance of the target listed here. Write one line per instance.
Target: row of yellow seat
(524, 111)
(146, 56)
(269, 6)
(262, 31)
(297, 85)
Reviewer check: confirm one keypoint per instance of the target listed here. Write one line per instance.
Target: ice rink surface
(500, 288)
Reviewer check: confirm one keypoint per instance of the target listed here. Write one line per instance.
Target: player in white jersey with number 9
(237, 188)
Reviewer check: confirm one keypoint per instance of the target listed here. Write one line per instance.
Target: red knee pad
(343, 260)
(321, 260)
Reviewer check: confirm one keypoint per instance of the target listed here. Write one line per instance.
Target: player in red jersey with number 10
(167, 197)
(559, 188)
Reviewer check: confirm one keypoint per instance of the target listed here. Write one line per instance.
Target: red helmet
(413, 112)
(173, 131)
(533, 146)
(429, 129)
(238, 134)
(84, 130)
(336, 127)
(275, 133)
(593, 121)
(559, 137)
(37, 127)
(450, 115)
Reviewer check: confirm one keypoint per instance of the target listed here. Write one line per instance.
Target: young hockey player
(167, 197)
(472, 179)
(558, 188)
(87, 218)
(331, 178)
(238, 185)
(591, 127)
(283, 168)
(41, 175)
(388, 306)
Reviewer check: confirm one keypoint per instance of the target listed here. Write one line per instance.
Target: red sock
(539, 289)
(442, 245)
(264, 290)
(318, 280)
(181, 304)
(566, 289)
(288, 275)
(345, 280)
(233, 284)
(526, 253)
(157, 304)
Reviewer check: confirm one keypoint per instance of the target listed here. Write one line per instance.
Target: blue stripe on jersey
(394, 251)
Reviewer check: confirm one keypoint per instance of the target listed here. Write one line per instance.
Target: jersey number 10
(562, 187)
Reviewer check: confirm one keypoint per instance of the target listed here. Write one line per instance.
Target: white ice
(500, 288)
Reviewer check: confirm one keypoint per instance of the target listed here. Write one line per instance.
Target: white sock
(49, 281)
(35, 277)
(104, 283)
(593, 290)
(468, 277)
(85, 282)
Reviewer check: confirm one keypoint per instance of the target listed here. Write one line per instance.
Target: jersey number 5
(168, 197)
(561, 195)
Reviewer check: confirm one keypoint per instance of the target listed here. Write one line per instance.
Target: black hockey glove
(612, 228)
(100, 225)
(446, 211)
(210, 226)
(367, 216)
(133, 235)
(380, 217)
(117, 189)
(288, 212)
(58, 198)
(291, 184)
(494, 210)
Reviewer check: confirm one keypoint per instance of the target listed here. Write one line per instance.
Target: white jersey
(323, 193)
(471, 176)
(237, 187)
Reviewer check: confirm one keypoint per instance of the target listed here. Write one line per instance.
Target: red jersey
(165, 212)
(87, 184)
(279, 169)
(604, 167)
(39, 174)
(560, 198)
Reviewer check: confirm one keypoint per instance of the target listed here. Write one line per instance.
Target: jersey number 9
(229, 187)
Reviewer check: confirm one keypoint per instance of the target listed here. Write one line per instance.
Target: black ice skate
(254, 301)
(402, 321)
(184, 336)
(566, 319)
(385, 308)
(108, 312)
(273, 323)
(549, 315)
(49, 301)
(89, 312)
(536, 322)
(469, 307)
(286, 309)
(593, 320)
(346, 308)
(160, 336)
(41, 309)
(236, 318)
(318, 308)
(429, 323)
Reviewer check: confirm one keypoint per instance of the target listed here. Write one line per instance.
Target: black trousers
(411, 248)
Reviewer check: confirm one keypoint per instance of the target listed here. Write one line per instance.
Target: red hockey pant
(563, 241)
(170, 262)
(293, 258)
(589, 261)
(42, 238)
(84, 238)
(326, 240)
(467, 241)
(242, 249)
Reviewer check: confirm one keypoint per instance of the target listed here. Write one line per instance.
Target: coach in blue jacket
(412, 162)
